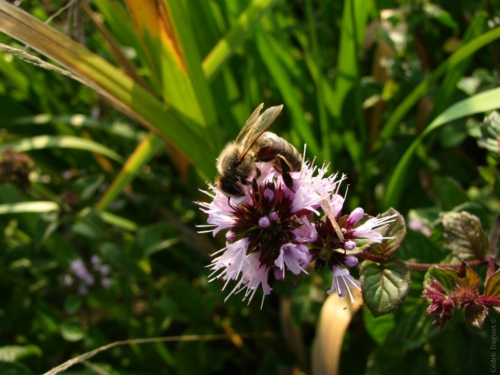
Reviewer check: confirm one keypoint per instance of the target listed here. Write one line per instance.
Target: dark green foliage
(150, 277)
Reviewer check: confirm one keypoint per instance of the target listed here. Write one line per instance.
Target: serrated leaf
(475, 314)
(490, 134)
(385, 286)
(465, 236)
(470, 279)
(492, 288)
(446, 277)
(397, 230)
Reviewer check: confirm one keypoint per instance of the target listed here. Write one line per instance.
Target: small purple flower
(343, 283)
(82, 279)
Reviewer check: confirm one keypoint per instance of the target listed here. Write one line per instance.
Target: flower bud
(356, 215)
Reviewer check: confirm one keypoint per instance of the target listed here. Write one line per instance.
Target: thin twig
(66, 365)
(62, 9)
(426, 266)
(26, 57)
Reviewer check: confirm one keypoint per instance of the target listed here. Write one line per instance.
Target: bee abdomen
(269, 146)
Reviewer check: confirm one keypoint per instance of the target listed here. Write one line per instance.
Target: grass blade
(59, 141)
(461, 54)
(225, 47)
(28, 207)
(142, 154)
(483, 102)
(112, 83)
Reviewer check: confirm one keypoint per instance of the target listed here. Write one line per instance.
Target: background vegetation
(115, 160)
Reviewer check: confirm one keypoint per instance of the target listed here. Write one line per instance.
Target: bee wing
(257, 126)
(249, 123)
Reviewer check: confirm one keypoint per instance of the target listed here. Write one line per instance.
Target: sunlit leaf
(465, 236)
(492, 288)
(384, 285)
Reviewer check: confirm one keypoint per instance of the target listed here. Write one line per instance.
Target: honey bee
(236, 163)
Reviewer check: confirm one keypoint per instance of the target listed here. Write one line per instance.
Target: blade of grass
(111, 83)
(288, 92)
(28, 207)
(78, 121)
(315, 55)
(354, 21)
(225, 47)
(141, 155)
(450, 80)
(167, 37)
(59, 141)
(461, 54)
(483, 102)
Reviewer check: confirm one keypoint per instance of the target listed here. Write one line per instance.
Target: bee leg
(255, 187)
(285, 172)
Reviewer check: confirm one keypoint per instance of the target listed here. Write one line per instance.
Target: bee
(236, 163)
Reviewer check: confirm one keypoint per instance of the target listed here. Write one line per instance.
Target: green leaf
(412, 329)
(14, 369)
(417, 247)
(449, 193)
(117, 221)
(397, 230)
(378, 328)
(464, 235)
(73, 304)
(385, 286)
(60, 141)
(434, 11)
(13, 353)
(484, 102)
(470, 279)
(71, 330)
(445, 276)
(23, 207)
(492, 288)
(490, 134)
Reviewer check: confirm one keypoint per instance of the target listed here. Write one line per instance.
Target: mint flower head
(279, 228)
(268, 229)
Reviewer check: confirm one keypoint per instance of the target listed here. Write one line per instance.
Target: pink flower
(343, 283)
(267, 229)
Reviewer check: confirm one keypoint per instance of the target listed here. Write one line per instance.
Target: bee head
(230, 187)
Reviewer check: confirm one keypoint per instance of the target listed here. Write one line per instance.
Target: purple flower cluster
(275, 230)
(80, 276)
